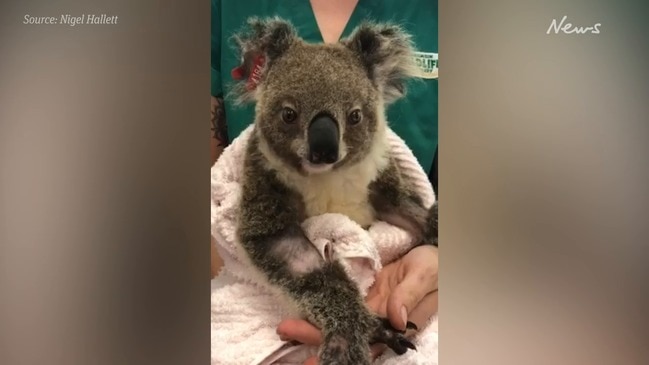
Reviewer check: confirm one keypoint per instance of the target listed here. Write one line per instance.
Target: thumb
(404, 298)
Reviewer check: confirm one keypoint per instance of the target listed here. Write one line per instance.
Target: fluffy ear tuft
(386, 51)
(260, 43)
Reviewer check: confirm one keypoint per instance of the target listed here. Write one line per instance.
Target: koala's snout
(323, 136)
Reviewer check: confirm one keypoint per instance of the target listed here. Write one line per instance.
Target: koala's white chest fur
(345, 192)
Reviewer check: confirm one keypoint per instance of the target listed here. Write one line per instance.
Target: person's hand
(306, 333)
(405, 290)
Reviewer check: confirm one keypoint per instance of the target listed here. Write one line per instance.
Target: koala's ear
(260, 43)
(386, 51)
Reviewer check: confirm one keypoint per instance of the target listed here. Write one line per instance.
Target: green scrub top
(413, 117)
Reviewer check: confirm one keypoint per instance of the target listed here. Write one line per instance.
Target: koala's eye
(289, 115)
(354, 117)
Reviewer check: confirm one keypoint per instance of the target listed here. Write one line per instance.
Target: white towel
(246, 309)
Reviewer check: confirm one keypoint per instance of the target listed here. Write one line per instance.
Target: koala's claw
(411, 326)
(393, 337)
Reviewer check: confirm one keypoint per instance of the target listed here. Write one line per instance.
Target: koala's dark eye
(354, 117)
(289, 115)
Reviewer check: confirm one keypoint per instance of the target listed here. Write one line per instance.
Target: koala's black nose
(323, 140)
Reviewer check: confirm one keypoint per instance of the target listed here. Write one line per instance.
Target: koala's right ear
(261, 43)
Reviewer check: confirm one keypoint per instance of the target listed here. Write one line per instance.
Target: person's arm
(218, 129)
(218, 141)
(216, 261)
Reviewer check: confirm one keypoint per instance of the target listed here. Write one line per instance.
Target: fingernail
(404, 314)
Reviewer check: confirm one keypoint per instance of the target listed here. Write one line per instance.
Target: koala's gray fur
(281, 188)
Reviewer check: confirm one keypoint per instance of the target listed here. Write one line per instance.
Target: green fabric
(413, 118)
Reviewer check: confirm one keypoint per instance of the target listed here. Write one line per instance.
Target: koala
(319, 145)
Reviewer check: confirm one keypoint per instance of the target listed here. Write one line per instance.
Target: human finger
(415, 285)
(299, 330)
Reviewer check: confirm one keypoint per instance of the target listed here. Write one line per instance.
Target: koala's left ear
(386, 51)
(260, 44)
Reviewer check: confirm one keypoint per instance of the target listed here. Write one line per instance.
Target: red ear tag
(255, 73)
(237, 73)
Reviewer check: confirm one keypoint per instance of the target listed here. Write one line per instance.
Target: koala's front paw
(395, 339)
(340, 350)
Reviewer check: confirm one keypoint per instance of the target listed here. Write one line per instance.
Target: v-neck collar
(352, 22)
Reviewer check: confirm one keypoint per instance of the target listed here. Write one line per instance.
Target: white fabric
(246, 309)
